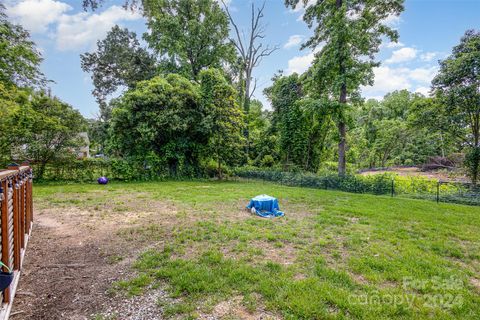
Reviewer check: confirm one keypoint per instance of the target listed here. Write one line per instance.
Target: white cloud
(423, 90)
(300, 7)
(428, 56)
(424, 75)
(37, 15)
(392, 45)
(388, 79)
(392, 20)
(300, 64)
(402, 55)
(293, 41)
(69, 31)
(83, 29)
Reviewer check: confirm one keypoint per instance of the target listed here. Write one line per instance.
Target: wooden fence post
(4, 221)
(16, 229)
(16, 216)
(22, 211)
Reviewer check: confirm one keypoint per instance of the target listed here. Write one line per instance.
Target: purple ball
(102, 180)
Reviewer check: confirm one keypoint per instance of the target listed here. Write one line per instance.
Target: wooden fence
(15, 225)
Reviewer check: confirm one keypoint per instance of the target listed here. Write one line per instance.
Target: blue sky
(428, 31)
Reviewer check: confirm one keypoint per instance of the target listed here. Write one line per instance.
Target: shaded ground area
(189, 250)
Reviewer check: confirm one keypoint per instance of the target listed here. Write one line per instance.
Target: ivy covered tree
(457, 88)
(263, 150)
(348, 34)
(288, 119)
(318, 126)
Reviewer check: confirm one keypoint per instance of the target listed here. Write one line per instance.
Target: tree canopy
(179, 122)
(457, 88)
(191, 35)
(119, 61)
(19, 58)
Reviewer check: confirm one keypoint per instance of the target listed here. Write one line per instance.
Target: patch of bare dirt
(73, 258)
(81, 245)
(476, 283)
(233, 309)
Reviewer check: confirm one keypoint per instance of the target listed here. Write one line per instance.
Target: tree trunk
(342, 128)
(342, 131)
(342, 163)
(41, 170)
(219, 163)
(220, 173)
(246, 109)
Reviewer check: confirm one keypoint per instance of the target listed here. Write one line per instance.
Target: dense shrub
(150, 167)
(472, 163)
(90, 169)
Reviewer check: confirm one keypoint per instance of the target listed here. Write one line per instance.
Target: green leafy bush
(472, 163)
(88, 170)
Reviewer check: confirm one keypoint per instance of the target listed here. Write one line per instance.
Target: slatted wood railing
(15, 225)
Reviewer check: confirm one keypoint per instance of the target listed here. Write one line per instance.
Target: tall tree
(251, 51)
(19, 58)
(52, 130)
(288, 118)
(12, 132)
(457, 86)
(118, 61)
(160, 116)
(191, 34)
(223, 118)
(349, 33)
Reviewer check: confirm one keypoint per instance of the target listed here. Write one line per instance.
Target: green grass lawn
(333, 256)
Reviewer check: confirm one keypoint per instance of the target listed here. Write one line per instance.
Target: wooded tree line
(33, 124)
(186, 97)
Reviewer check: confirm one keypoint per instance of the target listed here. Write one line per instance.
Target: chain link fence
(379, 184)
